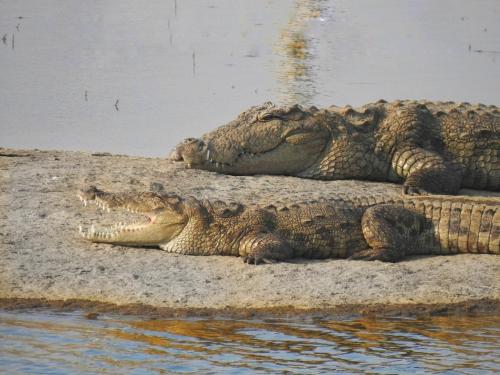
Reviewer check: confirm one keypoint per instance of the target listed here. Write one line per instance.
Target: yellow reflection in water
(240, 334)
(433, 343)
(363, 333)
(452, 330)
(157, 341)
(295, 73)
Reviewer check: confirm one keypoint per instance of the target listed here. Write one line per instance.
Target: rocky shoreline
(46, 264)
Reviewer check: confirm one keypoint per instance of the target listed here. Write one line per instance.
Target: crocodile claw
(384, 255)
(414, 190)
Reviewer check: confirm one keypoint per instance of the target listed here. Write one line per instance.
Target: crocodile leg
(393, 232)
(264, 247)
(426, 172)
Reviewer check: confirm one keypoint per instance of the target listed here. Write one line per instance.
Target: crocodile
(434, 147)
(386, 229)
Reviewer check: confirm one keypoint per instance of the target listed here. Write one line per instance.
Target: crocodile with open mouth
(385, 229)
(434, 147)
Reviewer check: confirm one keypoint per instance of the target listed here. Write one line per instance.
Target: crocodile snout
(189, 151)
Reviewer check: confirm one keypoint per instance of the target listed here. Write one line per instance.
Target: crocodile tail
(461, 225)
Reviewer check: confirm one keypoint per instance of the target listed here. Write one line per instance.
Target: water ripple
(56, 343)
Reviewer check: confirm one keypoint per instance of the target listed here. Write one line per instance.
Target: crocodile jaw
(162, 226)
(132, 235)
(284, 158)
(265, 139)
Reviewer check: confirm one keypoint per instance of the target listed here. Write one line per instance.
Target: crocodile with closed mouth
(432, 147)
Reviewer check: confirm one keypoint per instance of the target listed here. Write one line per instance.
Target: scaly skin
(374, 230)
(434, 147)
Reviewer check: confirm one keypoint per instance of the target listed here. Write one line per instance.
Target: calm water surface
(63, 343)
(136, 77)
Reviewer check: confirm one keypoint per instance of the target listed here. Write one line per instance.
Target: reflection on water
(125, 77)
(345, 52)
(295, 72)
(41, 341)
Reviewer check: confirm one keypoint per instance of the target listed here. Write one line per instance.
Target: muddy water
(61, 343)
(134, 78)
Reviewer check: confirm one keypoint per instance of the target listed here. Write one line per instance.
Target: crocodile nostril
(176, 155)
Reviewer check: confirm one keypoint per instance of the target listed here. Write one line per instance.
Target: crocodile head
(165, 218)
(265, 139)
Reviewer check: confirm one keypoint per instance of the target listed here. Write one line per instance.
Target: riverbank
(45, 263)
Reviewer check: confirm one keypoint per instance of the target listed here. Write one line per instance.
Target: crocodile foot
(252, 259)
(384, 255)
(414, 190)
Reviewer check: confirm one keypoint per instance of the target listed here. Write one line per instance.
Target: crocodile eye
(267, 117)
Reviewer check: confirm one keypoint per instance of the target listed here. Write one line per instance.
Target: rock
(100, 273)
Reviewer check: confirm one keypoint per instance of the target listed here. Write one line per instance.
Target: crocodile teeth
(102, 205)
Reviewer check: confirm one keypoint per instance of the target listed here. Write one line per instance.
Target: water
(62, 343)
(135, 78)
